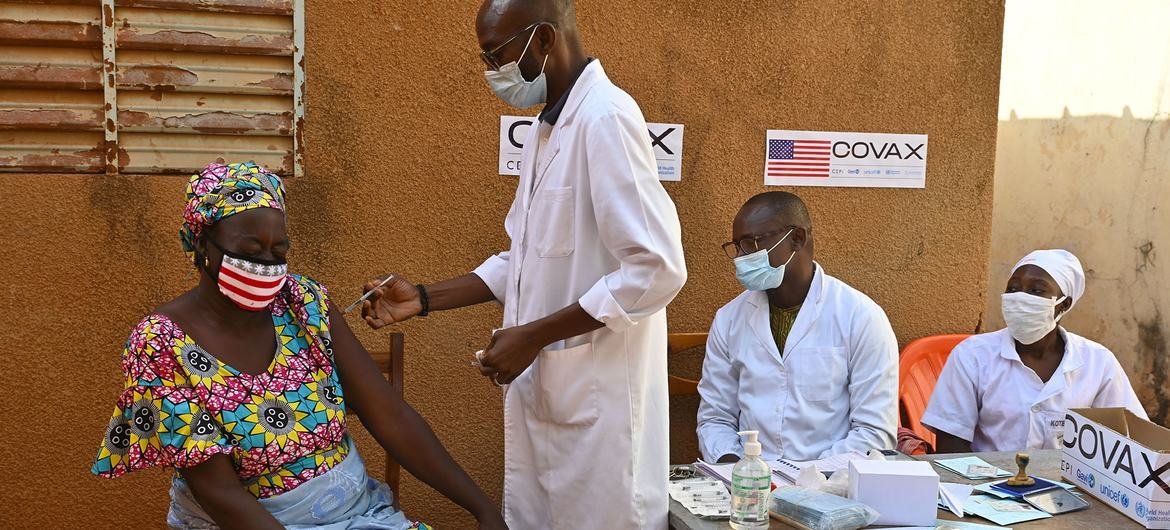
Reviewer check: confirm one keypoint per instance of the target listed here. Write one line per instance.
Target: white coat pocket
(551, 222)
(819, 374)
(1051, 430)
(568, 386)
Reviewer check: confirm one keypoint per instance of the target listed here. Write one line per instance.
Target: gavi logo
(1086, 478)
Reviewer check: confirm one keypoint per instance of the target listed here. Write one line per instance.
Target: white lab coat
(987, 395)
(833, 391)
(585, 427)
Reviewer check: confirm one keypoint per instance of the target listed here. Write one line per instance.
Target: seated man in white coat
(808, 361)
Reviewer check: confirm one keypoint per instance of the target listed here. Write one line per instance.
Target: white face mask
(509, 84)
(1029, 317)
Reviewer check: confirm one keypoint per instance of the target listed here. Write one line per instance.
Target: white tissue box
(903, 492)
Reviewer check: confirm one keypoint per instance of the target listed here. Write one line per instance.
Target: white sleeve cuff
(717, 440)
(721, 449)
(952, 428)
(599, 302)
(494, 273)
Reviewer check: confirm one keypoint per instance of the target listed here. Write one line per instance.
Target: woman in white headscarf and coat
(1009, 390)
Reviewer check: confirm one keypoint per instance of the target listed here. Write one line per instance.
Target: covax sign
(870, 160)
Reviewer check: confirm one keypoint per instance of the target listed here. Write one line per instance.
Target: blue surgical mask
(756, 273)
(509, 84)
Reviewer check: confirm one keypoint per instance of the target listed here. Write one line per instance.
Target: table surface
(1044, 464)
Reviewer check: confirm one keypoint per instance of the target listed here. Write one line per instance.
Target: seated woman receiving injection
(242, 384)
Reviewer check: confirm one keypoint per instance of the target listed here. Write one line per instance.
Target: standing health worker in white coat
(803, 358)
(596, 255)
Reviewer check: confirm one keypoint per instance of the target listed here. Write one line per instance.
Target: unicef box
(1122, 460)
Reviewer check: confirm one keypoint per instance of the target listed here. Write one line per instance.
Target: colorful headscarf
(221, 191)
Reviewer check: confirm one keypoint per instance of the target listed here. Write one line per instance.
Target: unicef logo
(1124, 500)
(1141, 510)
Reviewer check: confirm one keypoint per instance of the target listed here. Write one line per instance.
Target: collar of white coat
(761, 325)
(590, 77)
(1072, 352)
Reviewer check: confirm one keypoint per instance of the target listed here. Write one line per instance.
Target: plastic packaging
(751, 484)
(818, 510)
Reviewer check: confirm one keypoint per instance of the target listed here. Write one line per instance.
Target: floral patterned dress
(181, 405)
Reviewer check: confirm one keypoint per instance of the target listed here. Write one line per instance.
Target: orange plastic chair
(918, 370)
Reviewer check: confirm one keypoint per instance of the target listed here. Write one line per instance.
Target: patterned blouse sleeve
(311, 304)
(159, 419)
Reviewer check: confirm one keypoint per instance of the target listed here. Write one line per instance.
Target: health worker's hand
(395, 302)
(510, 352)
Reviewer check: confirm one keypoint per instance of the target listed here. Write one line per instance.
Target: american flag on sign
(798, 158)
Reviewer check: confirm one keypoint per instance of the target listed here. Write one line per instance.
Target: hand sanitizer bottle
(751, 487)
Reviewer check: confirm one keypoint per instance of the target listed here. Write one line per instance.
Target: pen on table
(367, 295)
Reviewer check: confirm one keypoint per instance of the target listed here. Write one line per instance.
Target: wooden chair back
(685, 352)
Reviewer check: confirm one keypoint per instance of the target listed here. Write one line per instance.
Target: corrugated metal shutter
(150, 86)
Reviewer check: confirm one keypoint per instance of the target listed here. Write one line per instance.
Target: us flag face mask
(251, 285)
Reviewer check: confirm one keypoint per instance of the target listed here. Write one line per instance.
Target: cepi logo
(1141, 510)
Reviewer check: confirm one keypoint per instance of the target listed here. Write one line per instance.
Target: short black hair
(783, 205)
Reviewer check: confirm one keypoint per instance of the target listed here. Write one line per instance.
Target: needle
(367, 295)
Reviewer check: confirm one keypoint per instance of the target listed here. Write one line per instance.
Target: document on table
(948, 525)
(953, 496)
(1002, 511)
(972, 468)
(720, 472)
(789, 470)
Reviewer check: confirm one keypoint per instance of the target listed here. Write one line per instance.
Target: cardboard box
(1120, 459)
(903, 492)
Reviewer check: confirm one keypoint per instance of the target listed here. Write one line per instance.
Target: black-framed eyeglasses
(489, 57)
(749, 245)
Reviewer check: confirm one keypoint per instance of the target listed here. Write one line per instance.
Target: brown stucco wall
(401, 176)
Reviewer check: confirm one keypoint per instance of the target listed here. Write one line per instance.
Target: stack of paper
(704, 497)
(953, 496)
(972, 468)
(722, 472)
(1002, 511)
(789, 470)
(949, 525)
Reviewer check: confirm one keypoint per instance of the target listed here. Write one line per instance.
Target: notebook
(972, 468)
(789, 470)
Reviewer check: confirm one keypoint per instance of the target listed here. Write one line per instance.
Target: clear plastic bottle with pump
(751, 487)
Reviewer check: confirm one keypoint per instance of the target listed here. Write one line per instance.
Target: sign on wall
(665, 138)
(667, 141)
(866, 160)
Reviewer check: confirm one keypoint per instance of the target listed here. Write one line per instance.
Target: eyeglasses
(489, 57)
(749, 245)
